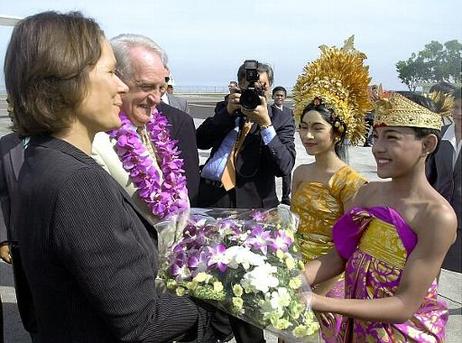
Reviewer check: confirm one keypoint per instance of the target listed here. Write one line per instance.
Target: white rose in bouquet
(245, 263)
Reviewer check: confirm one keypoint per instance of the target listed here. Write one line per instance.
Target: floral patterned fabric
(319, 206)
(376, 243)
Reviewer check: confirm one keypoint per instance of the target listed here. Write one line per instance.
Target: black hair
(329, 116)
(279, 88)
(422, 132)
(443, 87)
(261, 68)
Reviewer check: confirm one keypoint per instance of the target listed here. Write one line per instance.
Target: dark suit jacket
(284, 109)
(12, 157)
(286, 180)
(11, 161)
(448, 182)
(184, 132)
(256, 164)
(88, 256)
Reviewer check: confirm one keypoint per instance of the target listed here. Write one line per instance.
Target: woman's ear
(429, 144)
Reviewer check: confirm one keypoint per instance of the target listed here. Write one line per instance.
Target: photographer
(251, 143)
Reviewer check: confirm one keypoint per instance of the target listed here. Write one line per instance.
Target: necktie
(146, 140)
(228, 179)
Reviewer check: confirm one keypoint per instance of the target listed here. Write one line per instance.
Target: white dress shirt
(450, 136)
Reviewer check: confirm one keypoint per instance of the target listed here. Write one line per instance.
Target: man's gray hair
(262, 68)
(122, 44)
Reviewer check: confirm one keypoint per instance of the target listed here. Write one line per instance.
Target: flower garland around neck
(163, 198)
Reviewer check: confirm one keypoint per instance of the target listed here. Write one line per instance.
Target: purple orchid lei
(164, 199)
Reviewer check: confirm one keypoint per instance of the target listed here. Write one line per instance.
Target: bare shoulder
(365, 193)
(303, 170)
(439, 214)
(301, 173)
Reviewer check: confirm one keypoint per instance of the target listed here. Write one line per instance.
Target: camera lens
(250, 99)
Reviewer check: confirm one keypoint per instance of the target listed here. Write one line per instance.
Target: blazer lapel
(17, 159)
(149, 227)
(458, 165)
(69, 149)
(12, 153)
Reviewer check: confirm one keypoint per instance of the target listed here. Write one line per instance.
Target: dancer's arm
(422, 267)
(324, 268)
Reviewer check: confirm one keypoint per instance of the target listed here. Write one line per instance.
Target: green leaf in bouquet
(247, 265)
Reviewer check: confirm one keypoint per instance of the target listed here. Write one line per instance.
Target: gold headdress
(339, 79)
(394, 109)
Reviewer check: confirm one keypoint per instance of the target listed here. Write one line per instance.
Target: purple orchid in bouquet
(259, 239)
(281, 241)
(244, 262)
(217, 257)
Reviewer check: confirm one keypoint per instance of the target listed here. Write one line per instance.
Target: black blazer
(12, 157)
(183, 130)
(445, 179)
(88, 256)
(257, 164)
(448, 182)
(11, 161)
(284, 109)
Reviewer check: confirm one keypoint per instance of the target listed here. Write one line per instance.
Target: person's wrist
(264, 126)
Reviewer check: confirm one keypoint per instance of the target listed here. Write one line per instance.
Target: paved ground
(201, 107)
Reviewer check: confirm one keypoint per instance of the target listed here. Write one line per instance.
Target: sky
(207, 40)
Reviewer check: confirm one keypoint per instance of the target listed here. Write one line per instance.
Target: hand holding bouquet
(245, 263)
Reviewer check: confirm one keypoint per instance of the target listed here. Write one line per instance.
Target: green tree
(411, 72)
(435, 63)
(453, 66)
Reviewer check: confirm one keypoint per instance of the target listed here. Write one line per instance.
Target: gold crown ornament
(394, 109)
(339, 80)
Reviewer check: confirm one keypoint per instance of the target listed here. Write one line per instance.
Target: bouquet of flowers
(244, 262)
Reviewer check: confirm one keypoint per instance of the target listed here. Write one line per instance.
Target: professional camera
(250, 97)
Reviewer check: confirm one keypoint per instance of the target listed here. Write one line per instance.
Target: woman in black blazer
(88, 254)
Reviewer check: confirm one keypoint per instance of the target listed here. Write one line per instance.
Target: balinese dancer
(331, 99)
(392, 242)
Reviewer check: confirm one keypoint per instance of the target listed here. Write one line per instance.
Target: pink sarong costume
(376, 243)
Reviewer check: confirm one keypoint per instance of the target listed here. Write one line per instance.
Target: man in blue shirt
(267, 150)
(250, 147)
